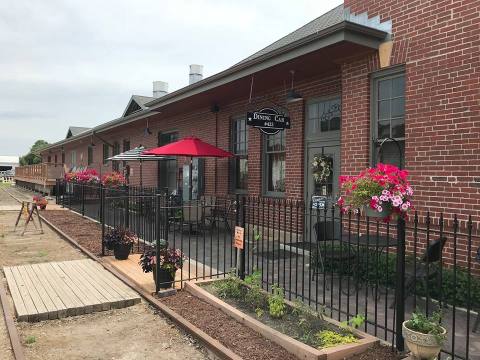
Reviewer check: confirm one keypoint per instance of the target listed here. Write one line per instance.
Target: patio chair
(336, 255)
(423, 271)
(219, 213)
(192, 216)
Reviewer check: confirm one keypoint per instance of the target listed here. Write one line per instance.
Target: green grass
(30, 339)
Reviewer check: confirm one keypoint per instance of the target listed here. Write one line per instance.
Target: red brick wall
(201, 123)
(439, 42)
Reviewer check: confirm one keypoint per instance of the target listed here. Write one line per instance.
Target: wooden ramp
(58, 289)
(132, 270)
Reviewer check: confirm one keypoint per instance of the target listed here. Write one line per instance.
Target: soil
(235, 336)
(32, 247)
(377, 352)
(136, 332)
(75, 225)
(6, 352)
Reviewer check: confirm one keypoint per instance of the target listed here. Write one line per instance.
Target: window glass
(324, 116)
(275, 162)
(239, 170)
(89, 155)
(389, 117)
(105, 154)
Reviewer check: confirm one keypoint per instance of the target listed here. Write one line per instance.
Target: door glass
(322, 172)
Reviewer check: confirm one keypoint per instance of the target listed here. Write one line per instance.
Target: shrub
(330, 338)
(255, 296)
(276, 303)
(231, 287)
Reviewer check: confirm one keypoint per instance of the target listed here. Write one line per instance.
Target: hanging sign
(319, 202)
(268, 120)
(239, 236)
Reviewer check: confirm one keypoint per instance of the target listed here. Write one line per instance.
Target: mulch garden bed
(240, 339)
(84, 231)
(377, 352)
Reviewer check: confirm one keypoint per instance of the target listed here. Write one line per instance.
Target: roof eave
(103, 127)
(343, 31)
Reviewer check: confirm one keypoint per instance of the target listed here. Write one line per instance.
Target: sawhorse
(29, 208)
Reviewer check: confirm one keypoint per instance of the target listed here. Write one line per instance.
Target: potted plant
(382, 191)
(424, 335)
(171, 260)
(40, 201)
(120, 240)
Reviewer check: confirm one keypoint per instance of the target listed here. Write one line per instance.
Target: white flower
(379, 208)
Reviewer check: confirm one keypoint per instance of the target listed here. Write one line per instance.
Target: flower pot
(422, 346)
(121, 251)
(375, 214)
(165, 278)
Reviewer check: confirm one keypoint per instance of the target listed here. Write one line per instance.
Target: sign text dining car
(268, 120)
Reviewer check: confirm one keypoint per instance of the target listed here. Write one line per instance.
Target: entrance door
(322, 146)
(327, 187)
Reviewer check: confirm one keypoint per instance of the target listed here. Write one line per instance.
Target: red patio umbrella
(189, 146)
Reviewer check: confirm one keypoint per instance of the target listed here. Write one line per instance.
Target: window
(116, 151)
(63, 157)
(49, 158)
(56, 158)
(274, 169)
(239, 165)
(323, 116)
(126, 147)
(167, 168)
(90, 155)
(105, 155)
(388, 110)
(74, 158)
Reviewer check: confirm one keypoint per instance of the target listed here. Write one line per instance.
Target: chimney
(196, 73)
(160, 88)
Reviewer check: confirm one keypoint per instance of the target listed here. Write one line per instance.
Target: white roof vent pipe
(196, 73)
(160, 88)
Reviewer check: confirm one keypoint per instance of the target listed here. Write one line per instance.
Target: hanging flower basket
(383, 192)
(321, 168)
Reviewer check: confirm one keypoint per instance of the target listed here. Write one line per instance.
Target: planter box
(293, 346)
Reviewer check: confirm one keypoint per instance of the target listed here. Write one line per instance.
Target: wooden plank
(104, 279)
(51, 308)
(102, 302)
(51, 293)
(114, 281)
(27, 300)
(72, 305)
(84, 298)
(20, 308)
(42, 310)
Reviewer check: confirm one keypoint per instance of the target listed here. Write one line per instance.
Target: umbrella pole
(141, 174)
(190, 185)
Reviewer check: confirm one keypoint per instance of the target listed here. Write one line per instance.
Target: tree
(33, 157)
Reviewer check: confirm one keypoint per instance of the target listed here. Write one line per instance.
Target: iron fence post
(102, 215)
(83, 198)
(127, 206)
(157, 241)
(400, 285)
(242, 251)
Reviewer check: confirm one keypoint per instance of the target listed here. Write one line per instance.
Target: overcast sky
(77, 62)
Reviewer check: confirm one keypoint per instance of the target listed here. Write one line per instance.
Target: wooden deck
(132, 269)
(58, 289)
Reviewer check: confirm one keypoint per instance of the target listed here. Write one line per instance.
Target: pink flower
(379, 209)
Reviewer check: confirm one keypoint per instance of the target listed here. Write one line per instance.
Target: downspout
(215, 110)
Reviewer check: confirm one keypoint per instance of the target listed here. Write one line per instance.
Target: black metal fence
(342, 264)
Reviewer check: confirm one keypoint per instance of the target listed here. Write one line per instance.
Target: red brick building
(405, 74)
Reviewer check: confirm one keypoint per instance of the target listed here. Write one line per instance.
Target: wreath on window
(321, 168)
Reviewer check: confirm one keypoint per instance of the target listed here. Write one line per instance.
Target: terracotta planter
(165, 278)
(375, 214)
(121, 251)
(422, 346)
